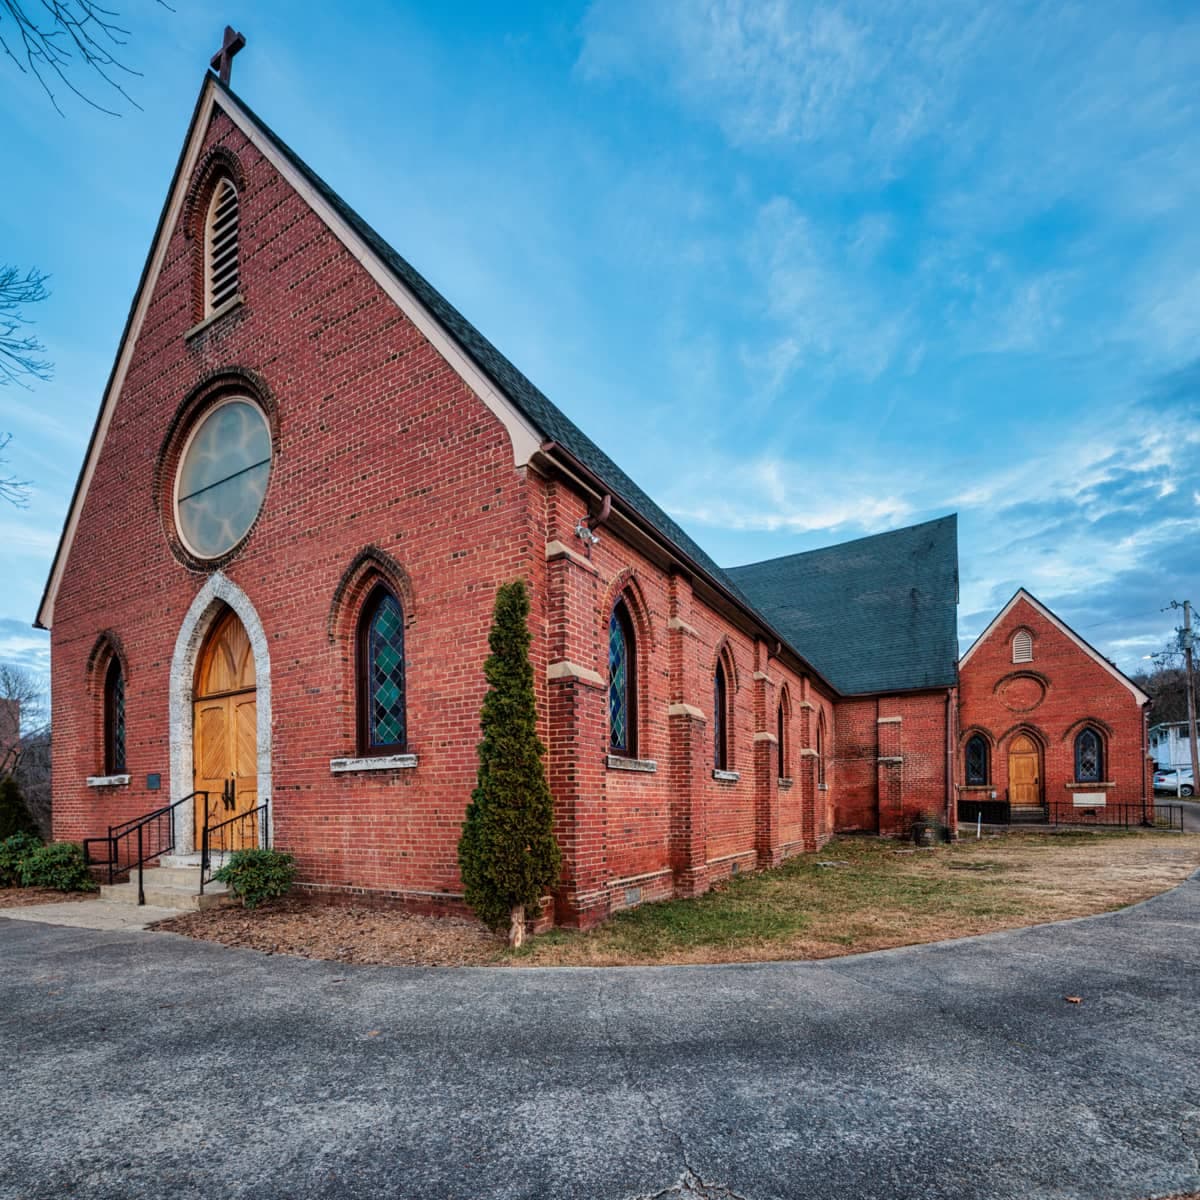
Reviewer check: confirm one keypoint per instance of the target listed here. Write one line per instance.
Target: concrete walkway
(145, 1065)
(90, 914)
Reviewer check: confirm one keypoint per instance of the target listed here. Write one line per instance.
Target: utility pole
(1185, 640)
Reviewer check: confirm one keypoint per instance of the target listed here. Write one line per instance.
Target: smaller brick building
(1047, 724)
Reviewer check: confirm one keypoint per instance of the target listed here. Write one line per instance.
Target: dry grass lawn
(877, 894)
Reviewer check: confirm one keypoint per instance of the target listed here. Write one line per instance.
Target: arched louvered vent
(221, 234)
(1022, 646)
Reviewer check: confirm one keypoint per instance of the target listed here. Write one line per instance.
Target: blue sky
(807, 271)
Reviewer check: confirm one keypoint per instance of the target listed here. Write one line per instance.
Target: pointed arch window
(720, 719)
(382, 717)
(821, 749)
(977, 760)
(781, 740)
(622, 682)
(1089, 756)
(114, 718)
(221, 275)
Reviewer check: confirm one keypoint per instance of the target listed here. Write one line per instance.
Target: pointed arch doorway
(225, 730)
(1024, 772)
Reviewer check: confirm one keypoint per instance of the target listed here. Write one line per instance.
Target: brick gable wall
(1051, 699)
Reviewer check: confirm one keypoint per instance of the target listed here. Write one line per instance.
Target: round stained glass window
(222, 478)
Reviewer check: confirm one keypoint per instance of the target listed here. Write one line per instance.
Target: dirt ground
(23, 897)
(853, 896)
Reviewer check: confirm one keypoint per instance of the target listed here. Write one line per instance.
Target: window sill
(215, 315)
(105, 781)
(384, 762)
(647, 766)
(1079, 786)
(727, 776)
(822, 787)
(785, 784)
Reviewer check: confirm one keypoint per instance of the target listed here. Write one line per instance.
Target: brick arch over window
(626, 585)
(211, 390)
(976, 749)
(783, 732)
(628, 639)
(108, 686)
(1090, 754)
(371, 576)
(821, 739)
(1076, 727)
(724, 692)
(218, 164)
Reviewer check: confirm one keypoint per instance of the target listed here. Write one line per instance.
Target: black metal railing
(129, 846)
(1119, 816)
(241, 832)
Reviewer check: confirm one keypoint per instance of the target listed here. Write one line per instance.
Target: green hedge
(257, 875)
(59, 866)
(14, 851)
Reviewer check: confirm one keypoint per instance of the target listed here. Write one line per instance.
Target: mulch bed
(24, 897)
(382, 937)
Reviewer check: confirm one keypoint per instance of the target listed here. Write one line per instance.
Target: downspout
(951, 823)
(1145, 755)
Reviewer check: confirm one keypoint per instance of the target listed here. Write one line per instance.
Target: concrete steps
(169, 886)
(1027, 815)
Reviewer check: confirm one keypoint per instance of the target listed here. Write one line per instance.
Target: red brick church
(308, 477)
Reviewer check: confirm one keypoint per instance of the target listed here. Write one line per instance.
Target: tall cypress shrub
(507, 852)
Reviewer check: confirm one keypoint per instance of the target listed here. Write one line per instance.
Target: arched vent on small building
(1022, 646)
(221, 236)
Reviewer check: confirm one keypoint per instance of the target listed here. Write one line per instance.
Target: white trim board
(525, 439)
(1062, 627)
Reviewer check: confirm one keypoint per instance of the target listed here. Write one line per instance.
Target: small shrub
(14, 812)
(13, 853)
(59, 866)
(257, 875)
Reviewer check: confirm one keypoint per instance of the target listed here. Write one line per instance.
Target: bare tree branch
(20, 351)
(49, 39)
(12, 489)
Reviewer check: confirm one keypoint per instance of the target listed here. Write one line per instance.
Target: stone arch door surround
(215, 598)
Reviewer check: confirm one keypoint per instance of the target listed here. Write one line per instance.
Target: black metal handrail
(218, 839)
(142, 839)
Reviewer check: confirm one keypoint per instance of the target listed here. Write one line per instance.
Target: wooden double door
(225, 729)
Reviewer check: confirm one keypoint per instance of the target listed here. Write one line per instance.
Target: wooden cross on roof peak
(222, 61)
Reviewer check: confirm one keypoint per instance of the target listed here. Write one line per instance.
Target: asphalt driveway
(145, 1065)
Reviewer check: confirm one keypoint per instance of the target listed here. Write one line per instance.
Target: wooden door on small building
(1024, 772)
(226, 733)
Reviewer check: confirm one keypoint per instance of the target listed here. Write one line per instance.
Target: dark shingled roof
(879, 614)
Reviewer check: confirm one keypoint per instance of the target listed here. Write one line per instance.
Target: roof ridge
(866, 537)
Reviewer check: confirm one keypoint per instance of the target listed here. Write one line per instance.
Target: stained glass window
(1089, 757)
(977, 759)
(381, 670)
(622, 683)
(720, 733)
(114, 719)
(223, 478)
